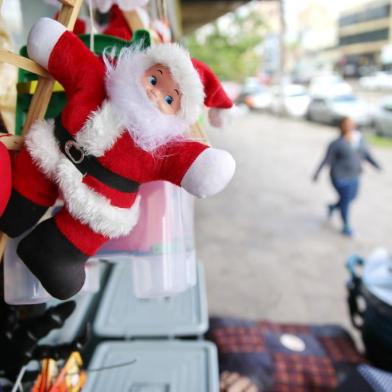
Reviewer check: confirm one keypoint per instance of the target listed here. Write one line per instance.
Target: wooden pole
(134, 20)
(6, 56)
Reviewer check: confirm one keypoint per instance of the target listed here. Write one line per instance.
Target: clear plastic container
(161, 246)
(93, 277)
(21, 287)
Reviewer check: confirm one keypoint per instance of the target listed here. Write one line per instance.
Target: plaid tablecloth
(316, 361)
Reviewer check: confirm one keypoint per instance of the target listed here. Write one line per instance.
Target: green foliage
(230, 45)
(379, 141)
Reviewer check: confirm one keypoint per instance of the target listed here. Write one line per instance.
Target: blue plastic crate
(122, 315)
(161, 366)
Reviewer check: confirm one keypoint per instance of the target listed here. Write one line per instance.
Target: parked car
(330, 108)
(382, 118)
(295, 100)
(254, 95)
(259, 100)
(327, 85)
(378, 81)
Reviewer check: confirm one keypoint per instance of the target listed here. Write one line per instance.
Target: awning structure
(196, 13)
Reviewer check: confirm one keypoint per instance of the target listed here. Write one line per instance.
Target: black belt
(89, 164)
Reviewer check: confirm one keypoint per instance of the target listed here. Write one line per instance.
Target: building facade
(363, 33)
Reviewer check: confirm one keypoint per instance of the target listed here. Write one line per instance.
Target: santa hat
(198, 83)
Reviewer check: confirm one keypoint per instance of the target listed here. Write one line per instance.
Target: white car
(328, 85)
(259, 100)
(378, 81)
(294, 102)
(382, 119)
(330, 109)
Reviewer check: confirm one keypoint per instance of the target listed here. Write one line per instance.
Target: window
(368, 36)
(372, 13)
(344, 98)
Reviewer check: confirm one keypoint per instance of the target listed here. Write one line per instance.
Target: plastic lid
(121, 314)
(377, 275)
(161, 366)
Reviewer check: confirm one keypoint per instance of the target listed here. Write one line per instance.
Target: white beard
(148, 126)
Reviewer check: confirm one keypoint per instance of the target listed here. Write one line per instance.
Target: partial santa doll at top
(117, 24)
(123, 125)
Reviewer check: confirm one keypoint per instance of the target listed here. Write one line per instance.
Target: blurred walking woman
(344, 156)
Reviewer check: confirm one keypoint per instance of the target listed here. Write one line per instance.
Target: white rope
(93, 30)
(18, 381)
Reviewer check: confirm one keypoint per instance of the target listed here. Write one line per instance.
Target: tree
(230, 45)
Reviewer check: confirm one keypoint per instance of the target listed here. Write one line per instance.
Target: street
(267, 246)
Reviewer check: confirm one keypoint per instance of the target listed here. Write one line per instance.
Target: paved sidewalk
(268, 249)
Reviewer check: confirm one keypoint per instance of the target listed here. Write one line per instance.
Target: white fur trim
(43, 147)
(91, 208)
(220, 118)
(210, 173)
(42, 38)
(178, 60)
(82, 202)
(101, 131)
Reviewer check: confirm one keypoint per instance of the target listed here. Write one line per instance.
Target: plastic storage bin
(21, 287)
(161, 366)
(122, 315)
(161, 244)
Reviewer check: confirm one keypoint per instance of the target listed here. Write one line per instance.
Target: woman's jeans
(347, 190)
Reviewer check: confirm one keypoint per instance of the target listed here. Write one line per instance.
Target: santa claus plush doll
(5, 177)
(123, 125)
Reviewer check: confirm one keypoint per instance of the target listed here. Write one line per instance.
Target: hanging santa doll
(5, 177)
(123, 125)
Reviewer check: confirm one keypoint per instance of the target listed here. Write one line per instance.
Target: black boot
(57, 263)
(20, 215)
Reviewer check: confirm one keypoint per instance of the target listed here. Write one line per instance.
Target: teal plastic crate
(160, 366)
(122, 315)
(76, 322)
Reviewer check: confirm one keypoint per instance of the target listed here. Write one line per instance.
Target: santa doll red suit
(5, 177)
(123, 125)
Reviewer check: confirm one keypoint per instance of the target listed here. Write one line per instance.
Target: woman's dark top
(345, 158)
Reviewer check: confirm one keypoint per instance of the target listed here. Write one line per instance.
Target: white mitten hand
(210, 173)
(42, 38)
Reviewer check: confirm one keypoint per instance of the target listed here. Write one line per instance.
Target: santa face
(146, 99)
(162, 89)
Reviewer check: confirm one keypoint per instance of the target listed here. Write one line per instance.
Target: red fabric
(30, 182)
(82, 75)
(118, 198)
(341, 349)
(178, 157)
(299, 373)
(239, 340)
(118, 26)
(5, 177)
(78, 234)
(215, 95)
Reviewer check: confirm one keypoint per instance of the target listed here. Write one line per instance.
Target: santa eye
(169, 99)
(153, 80)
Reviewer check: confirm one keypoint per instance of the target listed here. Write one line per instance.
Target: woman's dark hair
(340, 121)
